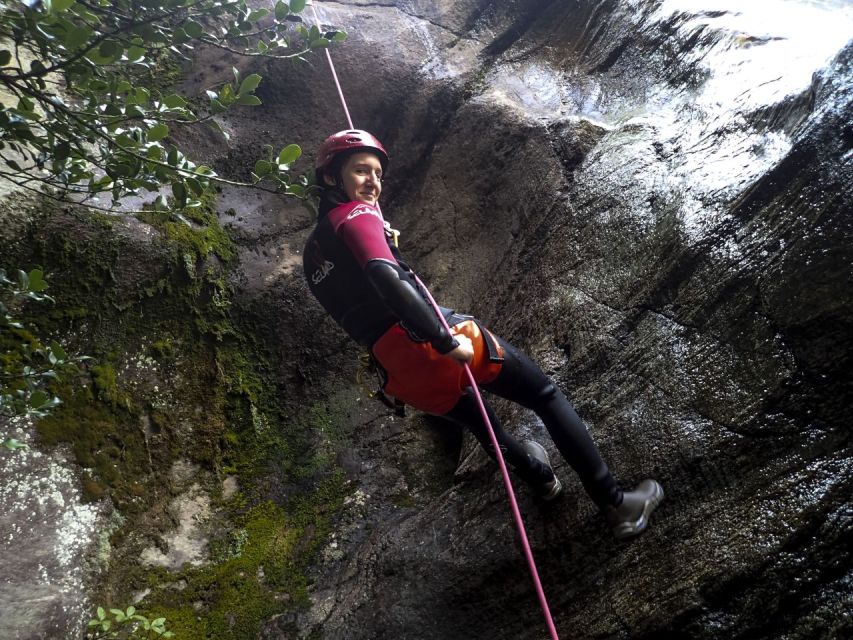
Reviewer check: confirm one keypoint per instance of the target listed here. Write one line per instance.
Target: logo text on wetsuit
(363, 209)
(320, 274)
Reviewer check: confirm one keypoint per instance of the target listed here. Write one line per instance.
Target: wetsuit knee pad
(545, 394)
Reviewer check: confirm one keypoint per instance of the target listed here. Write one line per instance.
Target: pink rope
(334, 73)
(516, 513)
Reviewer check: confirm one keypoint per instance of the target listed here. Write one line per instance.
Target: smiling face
(361, 175)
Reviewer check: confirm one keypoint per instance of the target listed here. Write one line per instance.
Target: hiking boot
(631, 517)
(552, 488)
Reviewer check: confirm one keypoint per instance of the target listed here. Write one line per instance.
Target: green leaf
(179, 36)
(76, 37)
(124, 140)
(61, 5)
(141, 95)
(338, 36)
(258, 14)
(249, 99)
(319, 43)
(86, 15)
(297, 6)
(36, 278)
(135, 53)
(158, 132)
(111, 49)
(98, 86)
(249, 84)
(281, 10)
(263, 167)
(174, 101)
(179, 191)
(24, 104)
(226, 96)
(12, 444)
(95, 56)
(193, 29)
(289, 154)
(5, 57)
(120, 170)
(195, 186)
(58, 350)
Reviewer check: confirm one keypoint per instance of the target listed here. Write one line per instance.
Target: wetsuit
(357, 274)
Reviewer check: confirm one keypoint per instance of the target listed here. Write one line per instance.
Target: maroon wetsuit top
(355, 272)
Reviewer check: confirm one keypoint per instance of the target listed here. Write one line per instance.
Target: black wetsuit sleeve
(396, 290)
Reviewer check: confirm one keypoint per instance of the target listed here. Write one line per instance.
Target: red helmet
(348, 140)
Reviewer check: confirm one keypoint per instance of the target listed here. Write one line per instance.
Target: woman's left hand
(464, 353)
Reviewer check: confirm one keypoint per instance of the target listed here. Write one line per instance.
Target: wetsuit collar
(331, 198)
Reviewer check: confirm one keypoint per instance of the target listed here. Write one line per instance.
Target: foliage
(126, 625)
(88, 120)
(26, 364)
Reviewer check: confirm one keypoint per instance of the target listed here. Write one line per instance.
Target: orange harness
(420, 376)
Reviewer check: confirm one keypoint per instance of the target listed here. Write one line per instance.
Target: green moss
(223, 410)
(162, 349)
(196, 238)
(404, 500)
(106, 385)
(104, 438)
(260, 569)
(92, 489)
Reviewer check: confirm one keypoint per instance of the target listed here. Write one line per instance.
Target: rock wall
(652, 200)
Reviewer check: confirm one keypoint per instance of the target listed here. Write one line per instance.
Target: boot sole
(630, 529)
(557, 488)
(555, 491)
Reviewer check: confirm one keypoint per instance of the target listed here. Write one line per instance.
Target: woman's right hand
(464, 353)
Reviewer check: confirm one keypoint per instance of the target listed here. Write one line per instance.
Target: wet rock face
(655, 201)
(47, 540)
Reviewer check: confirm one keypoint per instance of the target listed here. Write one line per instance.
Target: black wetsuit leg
(522, 381)
(467, 413)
